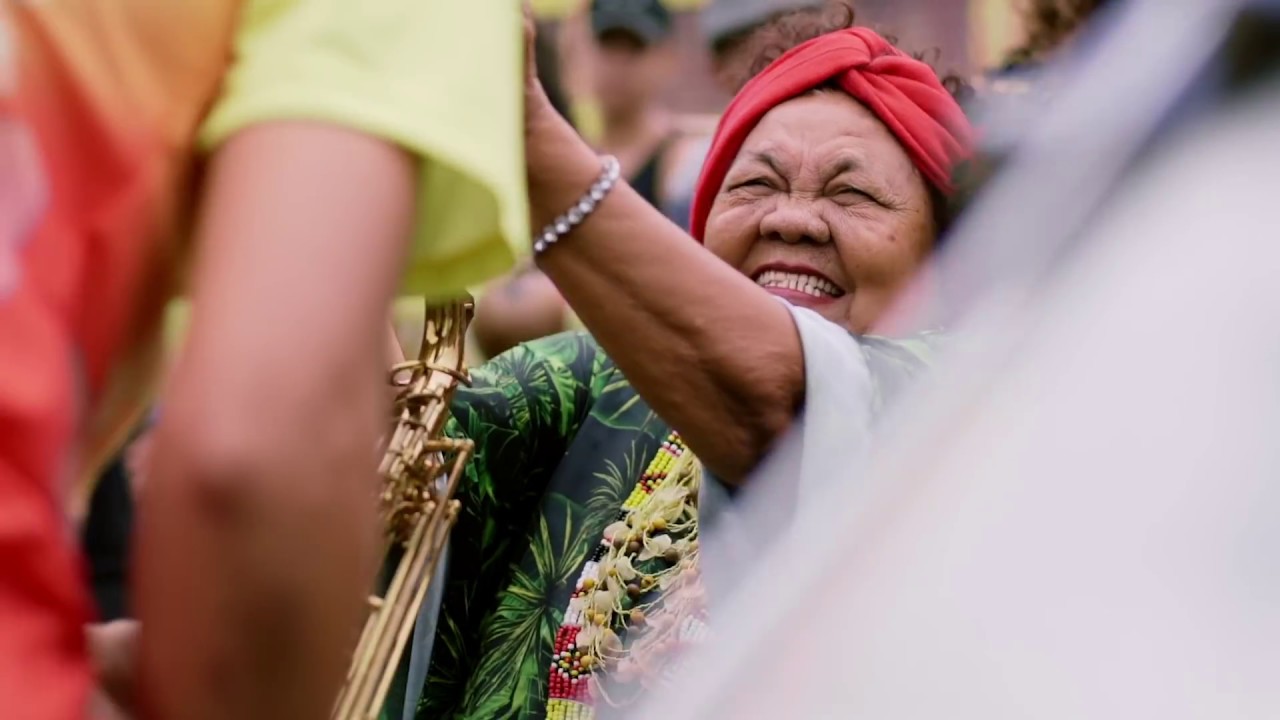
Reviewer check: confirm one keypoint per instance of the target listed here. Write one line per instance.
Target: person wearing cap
(572, 572)
(728, 26)
(634, 60)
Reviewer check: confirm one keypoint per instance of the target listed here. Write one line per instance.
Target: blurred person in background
(550, 74)
(1012, 96)
(591, 449)
(520, 307)
(331, 133)
(1049, 27)
(728, 26)
(634, 59)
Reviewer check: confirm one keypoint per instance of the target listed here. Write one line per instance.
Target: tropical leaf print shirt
(561, 438)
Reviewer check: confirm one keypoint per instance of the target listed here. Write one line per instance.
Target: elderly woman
(824, 189)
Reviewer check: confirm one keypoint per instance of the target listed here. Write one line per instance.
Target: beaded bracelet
(561, 226)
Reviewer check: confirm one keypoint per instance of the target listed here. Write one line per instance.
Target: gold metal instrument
(420, 471)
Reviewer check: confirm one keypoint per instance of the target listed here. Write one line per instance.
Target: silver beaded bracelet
(561, 226)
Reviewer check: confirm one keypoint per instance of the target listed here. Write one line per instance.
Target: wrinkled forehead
(824, 127)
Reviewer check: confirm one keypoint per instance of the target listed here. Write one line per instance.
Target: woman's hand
(559, 163)
(710, 352)
(536, 102)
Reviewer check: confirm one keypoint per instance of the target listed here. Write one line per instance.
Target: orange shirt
(102, 103)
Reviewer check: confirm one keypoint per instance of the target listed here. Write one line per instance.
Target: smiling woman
(573, 572)
(829, 164)
(823, 208)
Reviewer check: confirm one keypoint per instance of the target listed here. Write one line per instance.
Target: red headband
(903, 92)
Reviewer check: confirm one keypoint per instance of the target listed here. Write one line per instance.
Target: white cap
(724, 18)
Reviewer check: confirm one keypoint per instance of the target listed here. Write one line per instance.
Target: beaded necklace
(650, 549)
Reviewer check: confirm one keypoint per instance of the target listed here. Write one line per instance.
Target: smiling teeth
(807, 284)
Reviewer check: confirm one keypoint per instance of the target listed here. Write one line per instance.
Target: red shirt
(99, 102)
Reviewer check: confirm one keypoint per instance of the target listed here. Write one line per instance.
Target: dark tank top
(645, 181)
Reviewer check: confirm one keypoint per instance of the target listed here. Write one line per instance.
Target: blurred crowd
(646, 83)
(751, 278)
(644, 80)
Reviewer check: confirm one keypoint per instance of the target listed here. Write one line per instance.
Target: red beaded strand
(569, 682)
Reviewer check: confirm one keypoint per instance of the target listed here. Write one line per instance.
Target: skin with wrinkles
(821, 187)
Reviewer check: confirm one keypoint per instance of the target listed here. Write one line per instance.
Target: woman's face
(823, 208)
(628, 72)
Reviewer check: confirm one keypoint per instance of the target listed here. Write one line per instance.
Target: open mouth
(799, 281)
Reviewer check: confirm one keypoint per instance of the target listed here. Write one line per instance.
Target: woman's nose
(795, 220)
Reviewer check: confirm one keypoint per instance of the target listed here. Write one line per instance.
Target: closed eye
(851, 194)
(759, 182)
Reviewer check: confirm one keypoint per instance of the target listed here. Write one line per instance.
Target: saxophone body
(420, 470)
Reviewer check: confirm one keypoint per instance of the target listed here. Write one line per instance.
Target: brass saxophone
(420, 471)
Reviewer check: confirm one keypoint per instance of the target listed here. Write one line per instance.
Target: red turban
(903, 92)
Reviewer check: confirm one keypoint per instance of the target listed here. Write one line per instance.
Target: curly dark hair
(790, 29)
(1049, 23)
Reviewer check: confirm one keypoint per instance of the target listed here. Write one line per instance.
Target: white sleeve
(827, 446)
(835, 425)
(831, 435)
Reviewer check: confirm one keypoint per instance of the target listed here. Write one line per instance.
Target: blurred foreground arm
(258, 537)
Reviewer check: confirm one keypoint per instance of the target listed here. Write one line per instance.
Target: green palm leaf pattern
(525, 623)
(615, 481)
(561, 439)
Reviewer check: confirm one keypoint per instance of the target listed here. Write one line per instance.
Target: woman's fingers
(530, 39)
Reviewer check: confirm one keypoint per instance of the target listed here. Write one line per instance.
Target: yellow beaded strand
(659, 468)
(655, 477)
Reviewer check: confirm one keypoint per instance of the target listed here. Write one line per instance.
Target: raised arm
(257, 533)
(708, 349)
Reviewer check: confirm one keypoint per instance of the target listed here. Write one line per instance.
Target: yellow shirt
(441, 78)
